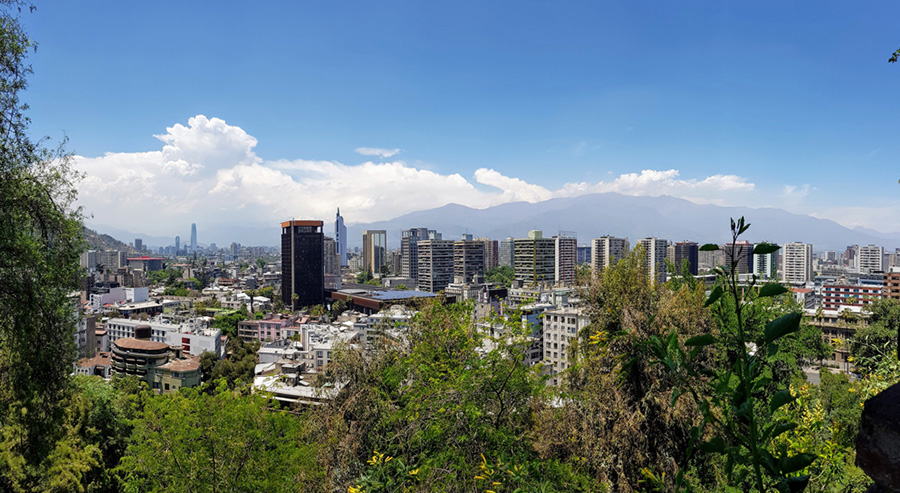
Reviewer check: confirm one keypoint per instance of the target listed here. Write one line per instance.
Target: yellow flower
(353, 490)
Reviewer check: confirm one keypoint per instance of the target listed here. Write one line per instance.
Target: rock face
(878, 442)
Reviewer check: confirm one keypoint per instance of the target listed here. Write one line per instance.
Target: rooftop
(187, 364)
(141, 344)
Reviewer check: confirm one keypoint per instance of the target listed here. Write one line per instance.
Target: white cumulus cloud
(207, 172)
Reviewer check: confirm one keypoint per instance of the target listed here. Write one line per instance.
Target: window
(155, 385)
(167, 386)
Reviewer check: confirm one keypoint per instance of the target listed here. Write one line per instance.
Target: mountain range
(594, 215)
(588, 216)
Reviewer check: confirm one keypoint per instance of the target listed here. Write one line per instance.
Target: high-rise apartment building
(374, 249)
(606, 251)
(534, 259)
(435, 264)
(506, 254)
(565, 257)
(409, 252)
(797, 263)
(491, 253)
(742, 252)
(764, 266)
(871, 259)
(302, 263)
(687, 251)
(468, 259)
(194, 237)
(655, 257)
(340, 238)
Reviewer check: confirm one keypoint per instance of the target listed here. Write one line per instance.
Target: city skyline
(768, 105)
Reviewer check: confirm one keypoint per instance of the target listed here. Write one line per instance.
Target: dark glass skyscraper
(302, 263)
(193, 237)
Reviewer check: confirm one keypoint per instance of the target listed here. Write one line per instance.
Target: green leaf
(761, 382)
(715, 295)
(782, 326)
(714, 445)
(709, 247)
(797, 484)
(782, 427)
(780, 398)
(765, 248)
(796, 463)
(772, 289)
(701, 340)
(744, 227)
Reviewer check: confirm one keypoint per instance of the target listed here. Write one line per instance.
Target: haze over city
(250, 115)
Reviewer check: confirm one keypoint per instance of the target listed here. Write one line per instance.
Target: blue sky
(789, 104)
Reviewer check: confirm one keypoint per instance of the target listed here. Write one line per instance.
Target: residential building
(302, 263)
(606, 251)
(155, 363)
(560, 327)
(797, 259)
(871, 259)
(838, 296)
(374, 250)
(740, 253)
(687, 251)
(534, 259)
(434, 264)
(145, 263)
(655, 257)
(565, 257)
(491, 253)
(409, 253)
(193, 338)
(891, 287)
(468, 259)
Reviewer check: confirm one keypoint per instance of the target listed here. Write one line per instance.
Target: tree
(364, 277)
(503, 275)
(878, 340)
(226, 441)
(40, 243)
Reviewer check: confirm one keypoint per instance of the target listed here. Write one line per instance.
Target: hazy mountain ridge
(594, 215)
(589, 216)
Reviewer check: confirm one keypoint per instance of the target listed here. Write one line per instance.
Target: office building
(409, 252)
(194, 237)
(584, 255)
(374, 250)
(687, 251)
(177, 244)
(435, 265)
(797, 263)
(534, 259)
(340, 238)
(468, 260)
(606, 251)
(506, 254)
(655, 257)
(302, 263)
(331, 257)
(565, 256)
(764, 266)
(138, 244)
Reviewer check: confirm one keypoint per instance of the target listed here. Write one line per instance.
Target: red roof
(145, 258)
